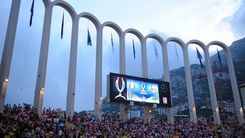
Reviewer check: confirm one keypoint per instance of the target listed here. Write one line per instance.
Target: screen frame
(166, 93)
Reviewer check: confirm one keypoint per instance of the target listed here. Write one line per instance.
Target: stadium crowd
(23, 121)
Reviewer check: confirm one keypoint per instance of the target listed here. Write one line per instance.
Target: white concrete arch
(210, 79)
(176, 40)
(114, 26)
(92, 18)
(135, 32)
(143, 49)
(218, 43)
(234, 85)
(189, 86)
(122, 63)
(41, 75)
(73, 56)
(160, 40)
(165, 67)
(197, 42)
(156, 37)
(99, 59)
(66, 6)
(143, 60)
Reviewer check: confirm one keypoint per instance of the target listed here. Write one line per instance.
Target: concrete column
(167, 78)
(72, 68)
(147, 111)
(242, 90)
(98, 73)
(191, 101)
(144, 59)
(8, 50)
(41, 101)
(148, 114)
(124, 112)
(4, 88)
(234, 86)
(43, 57)
(122, 69)
(212, 90)
(122, 59)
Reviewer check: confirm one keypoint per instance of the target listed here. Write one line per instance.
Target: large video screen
(126, 89)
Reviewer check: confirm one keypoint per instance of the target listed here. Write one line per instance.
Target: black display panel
(126, 89)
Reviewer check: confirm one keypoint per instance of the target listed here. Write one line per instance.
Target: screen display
(142, 91)
(126, 89)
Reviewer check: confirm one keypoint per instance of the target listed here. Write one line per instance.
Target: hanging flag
(199, 56)
(134, 50)
(176, 52)
(112, 44)
(89, 42)
(62, 27)
(155, 50)
(32, 11)
(219, 58)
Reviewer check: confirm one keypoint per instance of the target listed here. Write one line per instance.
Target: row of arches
(40, 83)
(99, 27)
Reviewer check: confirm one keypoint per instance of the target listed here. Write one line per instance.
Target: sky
(205, 20)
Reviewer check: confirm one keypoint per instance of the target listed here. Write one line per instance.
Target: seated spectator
(23, 121)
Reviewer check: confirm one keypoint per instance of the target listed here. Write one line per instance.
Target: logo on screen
(164, 87)
(120, 90)
(143, 88)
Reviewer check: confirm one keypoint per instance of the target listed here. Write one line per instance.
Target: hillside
(199, 79)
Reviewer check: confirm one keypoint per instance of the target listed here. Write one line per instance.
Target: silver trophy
(118, 89)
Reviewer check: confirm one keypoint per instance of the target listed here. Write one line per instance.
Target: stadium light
(194, 109)
(42, 92)
(217, 109)
(241, 110)
(100, 100)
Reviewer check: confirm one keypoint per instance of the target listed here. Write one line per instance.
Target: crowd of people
(23, 121)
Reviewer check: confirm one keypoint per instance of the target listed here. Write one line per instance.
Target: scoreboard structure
(126, 89)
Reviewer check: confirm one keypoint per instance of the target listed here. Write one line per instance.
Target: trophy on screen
(143, 88)
(120, 90)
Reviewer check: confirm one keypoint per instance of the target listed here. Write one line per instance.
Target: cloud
(184, 20)
(238, 20)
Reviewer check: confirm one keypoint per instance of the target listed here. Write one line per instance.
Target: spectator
(23, 121)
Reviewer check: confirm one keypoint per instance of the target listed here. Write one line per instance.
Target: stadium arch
(40, 83)
(234, 85)
(212, 90)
